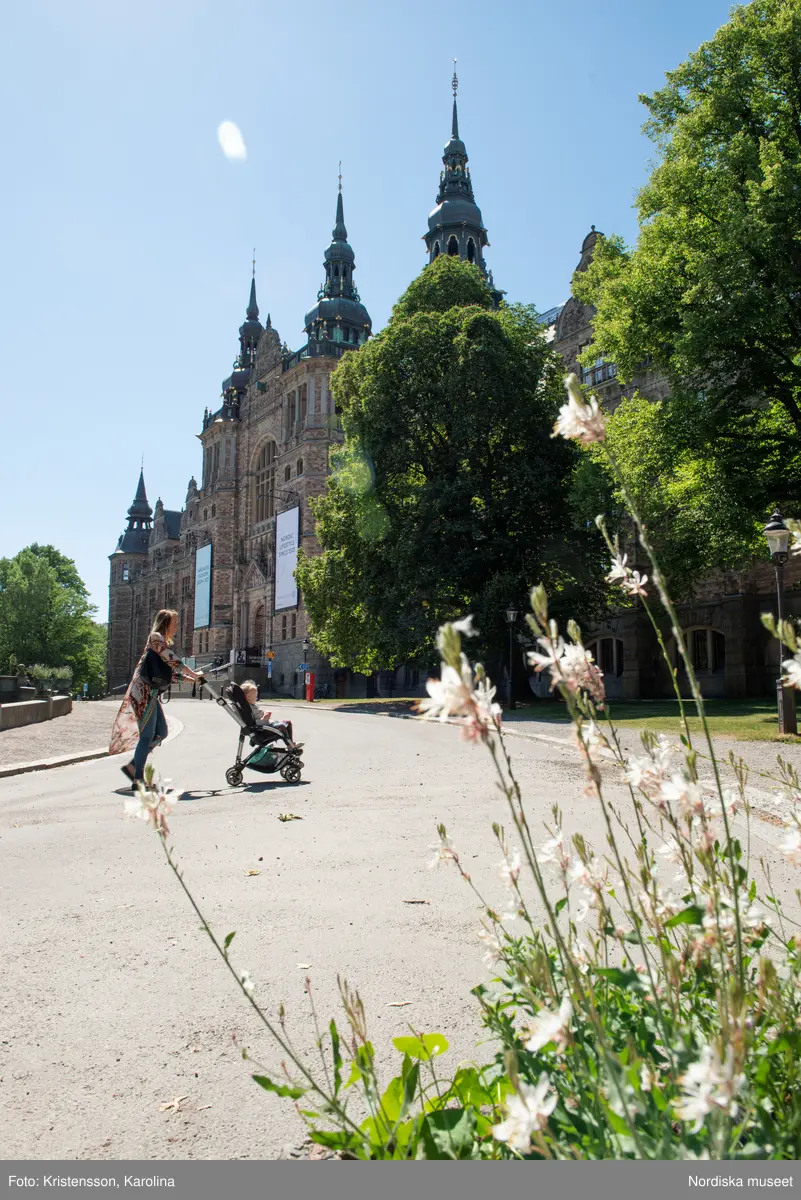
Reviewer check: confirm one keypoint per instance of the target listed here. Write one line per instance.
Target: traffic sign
(303, 667)
(270, 654)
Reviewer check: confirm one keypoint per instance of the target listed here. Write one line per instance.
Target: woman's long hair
(162, 623)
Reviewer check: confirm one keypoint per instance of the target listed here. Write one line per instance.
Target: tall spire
(339, 233)
(339, 315)
(253, 308)
(251, 330)
(455, 226)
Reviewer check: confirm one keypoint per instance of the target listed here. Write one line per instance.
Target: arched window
(126, 574)
(608, 653)
(436, 250)
(287, 474)
(265, 483)
(214, 510)
(299, 468)
(336, 272)
(471, 250)
(258, 629)
(453, 245)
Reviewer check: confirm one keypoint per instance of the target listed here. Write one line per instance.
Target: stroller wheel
(291, 772)
(233, 776)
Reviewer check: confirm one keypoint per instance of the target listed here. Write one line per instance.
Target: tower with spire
(128, 563)
(339, 321)
(455, 225)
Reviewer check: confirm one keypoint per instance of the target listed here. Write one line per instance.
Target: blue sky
(129, 235)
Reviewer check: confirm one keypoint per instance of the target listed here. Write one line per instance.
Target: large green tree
(46, 617)
(712, 294)
(449, 495)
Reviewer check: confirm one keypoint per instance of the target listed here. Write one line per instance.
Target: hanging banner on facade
(287, 527)
(203, 587)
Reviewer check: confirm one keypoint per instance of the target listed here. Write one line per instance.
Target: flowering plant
(645, 996)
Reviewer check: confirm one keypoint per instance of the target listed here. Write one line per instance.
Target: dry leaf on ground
(253, 871)
(175, 1103)
(398, 1003)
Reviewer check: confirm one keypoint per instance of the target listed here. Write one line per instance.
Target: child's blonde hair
(250, 685)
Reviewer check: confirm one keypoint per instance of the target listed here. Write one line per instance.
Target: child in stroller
(273, 747)
(262, 717)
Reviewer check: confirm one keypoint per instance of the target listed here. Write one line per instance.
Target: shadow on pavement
(190, 794)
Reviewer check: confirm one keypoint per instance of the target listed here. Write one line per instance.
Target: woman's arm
(158, 643)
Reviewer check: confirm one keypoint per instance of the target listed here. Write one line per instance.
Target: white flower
(792, 671)
(449, 695)
(465, 627)
(791, 847)
(152, 804)
(671, 851)
(246, 981)
(553, 851)
(509, 869)
(526, 1113)
(549, 1026)
(635, 584)
(571, 665)
(582, 421)
(554, 651)
(685, 794)
(619, 570)
(647, 1078)
(648, 772)
(457, 695)
(630, 581)
(709, 1084)
(492, 947)
(231, 141)
(444, 851)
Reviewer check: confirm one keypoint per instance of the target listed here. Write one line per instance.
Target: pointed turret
(136, 538)
(339, 315)
(251, 330)
(455, 226)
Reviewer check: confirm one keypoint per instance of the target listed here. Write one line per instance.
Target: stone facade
(265, 450)
(732, 652)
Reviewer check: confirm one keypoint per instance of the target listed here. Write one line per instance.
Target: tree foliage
(449, 494)
(711, 293)
(46, 617)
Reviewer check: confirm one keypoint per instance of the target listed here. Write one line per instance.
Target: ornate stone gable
(253, 577)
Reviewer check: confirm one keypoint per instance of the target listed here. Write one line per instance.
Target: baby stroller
(271, 749)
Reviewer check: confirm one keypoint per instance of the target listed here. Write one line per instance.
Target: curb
(174, 728)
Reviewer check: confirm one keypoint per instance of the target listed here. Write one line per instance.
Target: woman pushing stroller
(141, 722)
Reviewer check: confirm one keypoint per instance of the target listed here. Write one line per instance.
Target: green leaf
(449, 1133)
(560, 904)
(280, 1089)
(692, 915)
(392, 1100)
(620, 978)
(430, 1045)
(336, 1140)
(229, 937)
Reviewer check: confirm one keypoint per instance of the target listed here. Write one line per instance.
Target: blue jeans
(154, 730)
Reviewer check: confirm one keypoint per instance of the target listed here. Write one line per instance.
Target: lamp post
(306, 649)
(511, 617)
(778, 538)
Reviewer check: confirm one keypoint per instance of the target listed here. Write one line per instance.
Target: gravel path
(87, 727)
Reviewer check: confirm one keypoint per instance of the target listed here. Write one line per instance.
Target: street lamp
(511, 617)
(778, 538)
(306, 649)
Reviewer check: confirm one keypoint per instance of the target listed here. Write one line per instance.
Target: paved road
(113, 1002)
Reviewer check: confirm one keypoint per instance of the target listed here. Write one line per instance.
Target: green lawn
(749, 720)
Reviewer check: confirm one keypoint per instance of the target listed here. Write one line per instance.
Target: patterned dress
(140, 699)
